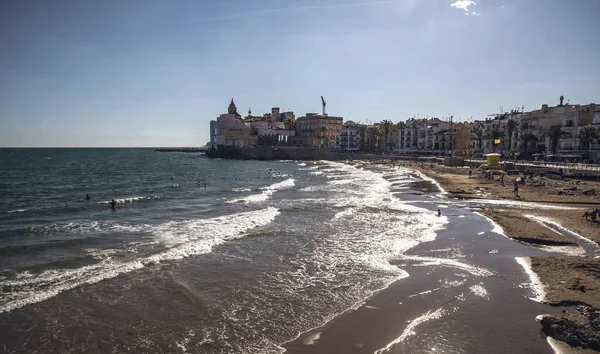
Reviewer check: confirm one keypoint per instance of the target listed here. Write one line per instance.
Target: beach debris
(590, 192)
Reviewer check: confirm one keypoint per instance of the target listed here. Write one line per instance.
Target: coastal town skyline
(155, 75)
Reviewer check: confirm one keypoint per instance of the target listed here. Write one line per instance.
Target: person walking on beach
(470, 172)
(516, 189)
(502, 180)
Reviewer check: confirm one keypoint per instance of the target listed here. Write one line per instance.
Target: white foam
(17, 211)
(550, 222)
(266, 194)
(241, 189)
(480, 291)
(496, 228)
(185, 238)
(130, 199)
(423, 293)
(517, 204)
(410, 329)
(428, 261)
(536, 285)
(186, 340)
(575, 251)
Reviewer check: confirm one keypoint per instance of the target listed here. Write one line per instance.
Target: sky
(154, 73)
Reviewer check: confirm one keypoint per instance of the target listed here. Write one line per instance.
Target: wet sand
(465, 294)
(561, 229)
(412, 314)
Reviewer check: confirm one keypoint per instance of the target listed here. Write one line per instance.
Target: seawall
(270, 153)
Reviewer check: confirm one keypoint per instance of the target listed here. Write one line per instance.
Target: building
(571, 118)
(230, 130)
(317, 130)
(420, 136)
(348, 138)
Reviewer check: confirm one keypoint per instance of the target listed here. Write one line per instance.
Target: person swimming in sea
(113, 204)
(88, 197)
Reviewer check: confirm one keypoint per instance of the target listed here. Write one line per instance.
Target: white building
(348, 138)
(420, 135)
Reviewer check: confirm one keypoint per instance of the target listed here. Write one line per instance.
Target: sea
(199, 255)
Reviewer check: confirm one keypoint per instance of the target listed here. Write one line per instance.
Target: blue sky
(154, 73)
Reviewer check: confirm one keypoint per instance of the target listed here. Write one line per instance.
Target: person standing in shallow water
(439, 213)
(113, 204)
(88, 197)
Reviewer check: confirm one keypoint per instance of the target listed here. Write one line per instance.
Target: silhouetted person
(204, 185)
(439, 213)
(113, 204)
(88, 197)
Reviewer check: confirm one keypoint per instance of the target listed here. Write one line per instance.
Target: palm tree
(527, 139)
(386, 125)
(323, 131)
(401, 126)
(496, 134)
(512, 126)
(586, 136)
(555, 134)
(479, 135)
(370, 138)
(362, 130)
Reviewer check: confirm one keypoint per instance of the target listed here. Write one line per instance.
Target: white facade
(420, 135)
(348, 138)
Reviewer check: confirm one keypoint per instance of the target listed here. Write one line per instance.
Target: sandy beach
(552, 219)
(556, 246)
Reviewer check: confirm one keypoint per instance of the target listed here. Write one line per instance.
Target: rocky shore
(547, 214)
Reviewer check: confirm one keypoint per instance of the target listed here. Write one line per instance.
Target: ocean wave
(88, 227)
(185, 238)
(410, 329)
(130, 199)
(17, 211)
(266, 194)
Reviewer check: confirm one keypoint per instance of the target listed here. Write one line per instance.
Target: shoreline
(546, 288)
(563, 277)
(402, 317)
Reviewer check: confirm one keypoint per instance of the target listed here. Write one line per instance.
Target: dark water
(267, 250)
